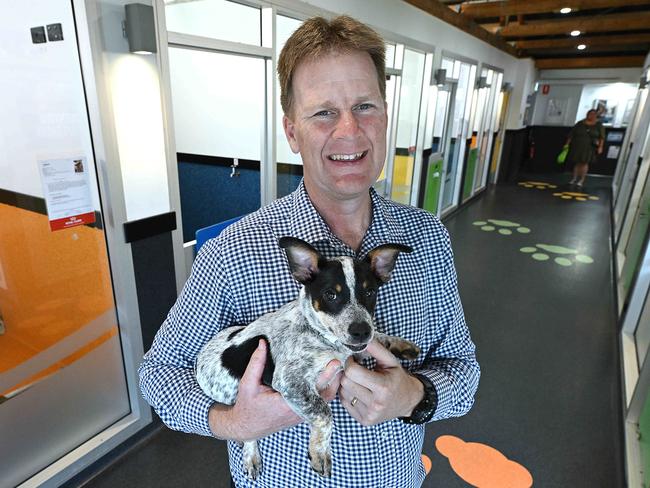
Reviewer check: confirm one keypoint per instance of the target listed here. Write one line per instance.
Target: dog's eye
(370, 292)
(329, 295)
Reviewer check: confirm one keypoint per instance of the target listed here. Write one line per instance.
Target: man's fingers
(329, 380)
(255, 368)
(329, 374)
(383, 356)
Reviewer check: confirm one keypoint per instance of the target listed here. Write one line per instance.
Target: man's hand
(386, 393)
(260, 410)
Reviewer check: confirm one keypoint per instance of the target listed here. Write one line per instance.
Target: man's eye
(323, 113)
(364, 106)
(329, 295)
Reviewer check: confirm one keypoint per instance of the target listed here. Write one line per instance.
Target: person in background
(333, 94)
(585, 142)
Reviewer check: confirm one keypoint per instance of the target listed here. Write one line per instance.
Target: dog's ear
(382, 259)
(303, 258)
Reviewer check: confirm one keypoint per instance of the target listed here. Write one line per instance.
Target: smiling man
(332, 82)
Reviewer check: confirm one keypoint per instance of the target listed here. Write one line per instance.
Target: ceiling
(615, 33)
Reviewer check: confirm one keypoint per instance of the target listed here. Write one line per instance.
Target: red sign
(546, 89)
(72, 221)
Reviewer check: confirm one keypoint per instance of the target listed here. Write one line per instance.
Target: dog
(332, 318)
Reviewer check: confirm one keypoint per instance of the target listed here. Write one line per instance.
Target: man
(333, 96)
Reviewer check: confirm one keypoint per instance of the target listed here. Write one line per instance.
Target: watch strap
(423, 411)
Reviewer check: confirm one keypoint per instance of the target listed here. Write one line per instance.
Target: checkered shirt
(243, 274)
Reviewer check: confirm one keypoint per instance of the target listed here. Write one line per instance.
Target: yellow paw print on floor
(561, 255)
(501, 226)
(540, 185)
(575, 195)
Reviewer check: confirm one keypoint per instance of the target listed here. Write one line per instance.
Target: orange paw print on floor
(482, 466)
(427, 464)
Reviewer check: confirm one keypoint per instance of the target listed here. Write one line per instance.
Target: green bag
(561, 158)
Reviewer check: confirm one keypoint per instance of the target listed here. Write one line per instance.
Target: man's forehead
(336, 67)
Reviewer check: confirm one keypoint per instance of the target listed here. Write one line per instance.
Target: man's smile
(347, 157)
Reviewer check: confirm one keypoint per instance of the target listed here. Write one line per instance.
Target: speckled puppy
(330, 319)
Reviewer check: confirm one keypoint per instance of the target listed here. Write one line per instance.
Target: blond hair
(317, 37)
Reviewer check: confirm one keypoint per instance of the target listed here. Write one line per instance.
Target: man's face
(592, 116)
(338, 125)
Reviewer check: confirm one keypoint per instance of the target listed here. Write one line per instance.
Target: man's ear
(290, 132)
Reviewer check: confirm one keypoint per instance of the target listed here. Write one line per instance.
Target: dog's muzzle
(356, 347)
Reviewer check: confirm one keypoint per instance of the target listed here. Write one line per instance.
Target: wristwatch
(424, 410)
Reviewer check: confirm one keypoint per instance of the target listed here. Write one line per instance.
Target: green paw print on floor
(503, 227)
(561, 255)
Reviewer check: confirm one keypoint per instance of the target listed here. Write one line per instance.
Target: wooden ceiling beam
(444, 13)
(522, 7)
(603, 23)
(591, 62)
(614, 40)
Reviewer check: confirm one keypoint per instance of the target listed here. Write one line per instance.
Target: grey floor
(549, 397)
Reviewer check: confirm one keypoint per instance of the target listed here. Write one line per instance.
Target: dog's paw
(253, 467)
(252, 459)
(321, 463)
(405, 350)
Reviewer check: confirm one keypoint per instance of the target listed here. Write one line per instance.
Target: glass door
(221, 78)
(463, 73)
(630, 160)
(410, 96)
(499, 133)
(62, 374)
(438, 133)
(635, 344)
(631, 245)
(637, 110)
(488, 133)
(394, 59)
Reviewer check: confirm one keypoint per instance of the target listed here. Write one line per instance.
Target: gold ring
(354, 401)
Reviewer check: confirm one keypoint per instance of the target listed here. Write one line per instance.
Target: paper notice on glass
(66, 186)
(612, 152)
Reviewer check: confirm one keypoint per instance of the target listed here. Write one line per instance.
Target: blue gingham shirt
(243, 274)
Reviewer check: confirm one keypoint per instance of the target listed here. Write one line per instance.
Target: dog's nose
(360, 331)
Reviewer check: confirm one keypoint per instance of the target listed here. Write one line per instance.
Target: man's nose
(347, 125)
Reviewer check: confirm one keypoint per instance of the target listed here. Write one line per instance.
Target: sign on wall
(66, 186)
(555, 111)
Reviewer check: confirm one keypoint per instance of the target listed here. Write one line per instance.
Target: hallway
(535, 277)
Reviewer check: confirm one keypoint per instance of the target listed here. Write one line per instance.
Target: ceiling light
(565, 10)
(575, 33)
(581, 46)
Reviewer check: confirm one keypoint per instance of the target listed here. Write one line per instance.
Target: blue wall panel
(209, 195)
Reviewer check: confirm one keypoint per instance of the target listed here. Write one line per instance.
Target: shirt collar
(307, 224)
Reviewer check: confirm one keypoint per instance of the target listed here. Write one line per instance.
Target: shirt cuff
(195, 416)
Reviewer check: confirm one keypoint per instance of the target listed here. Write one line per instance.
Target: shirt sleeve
(452, 366)
(167, 379)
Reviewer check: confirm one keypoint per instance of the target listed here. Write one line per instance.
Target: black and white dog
(332, 318)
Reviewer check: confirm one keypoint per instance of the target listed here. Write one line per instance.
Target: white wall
(42, 103)
(609, 75)
(564, 97)
(618, 95)
(522, 86)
